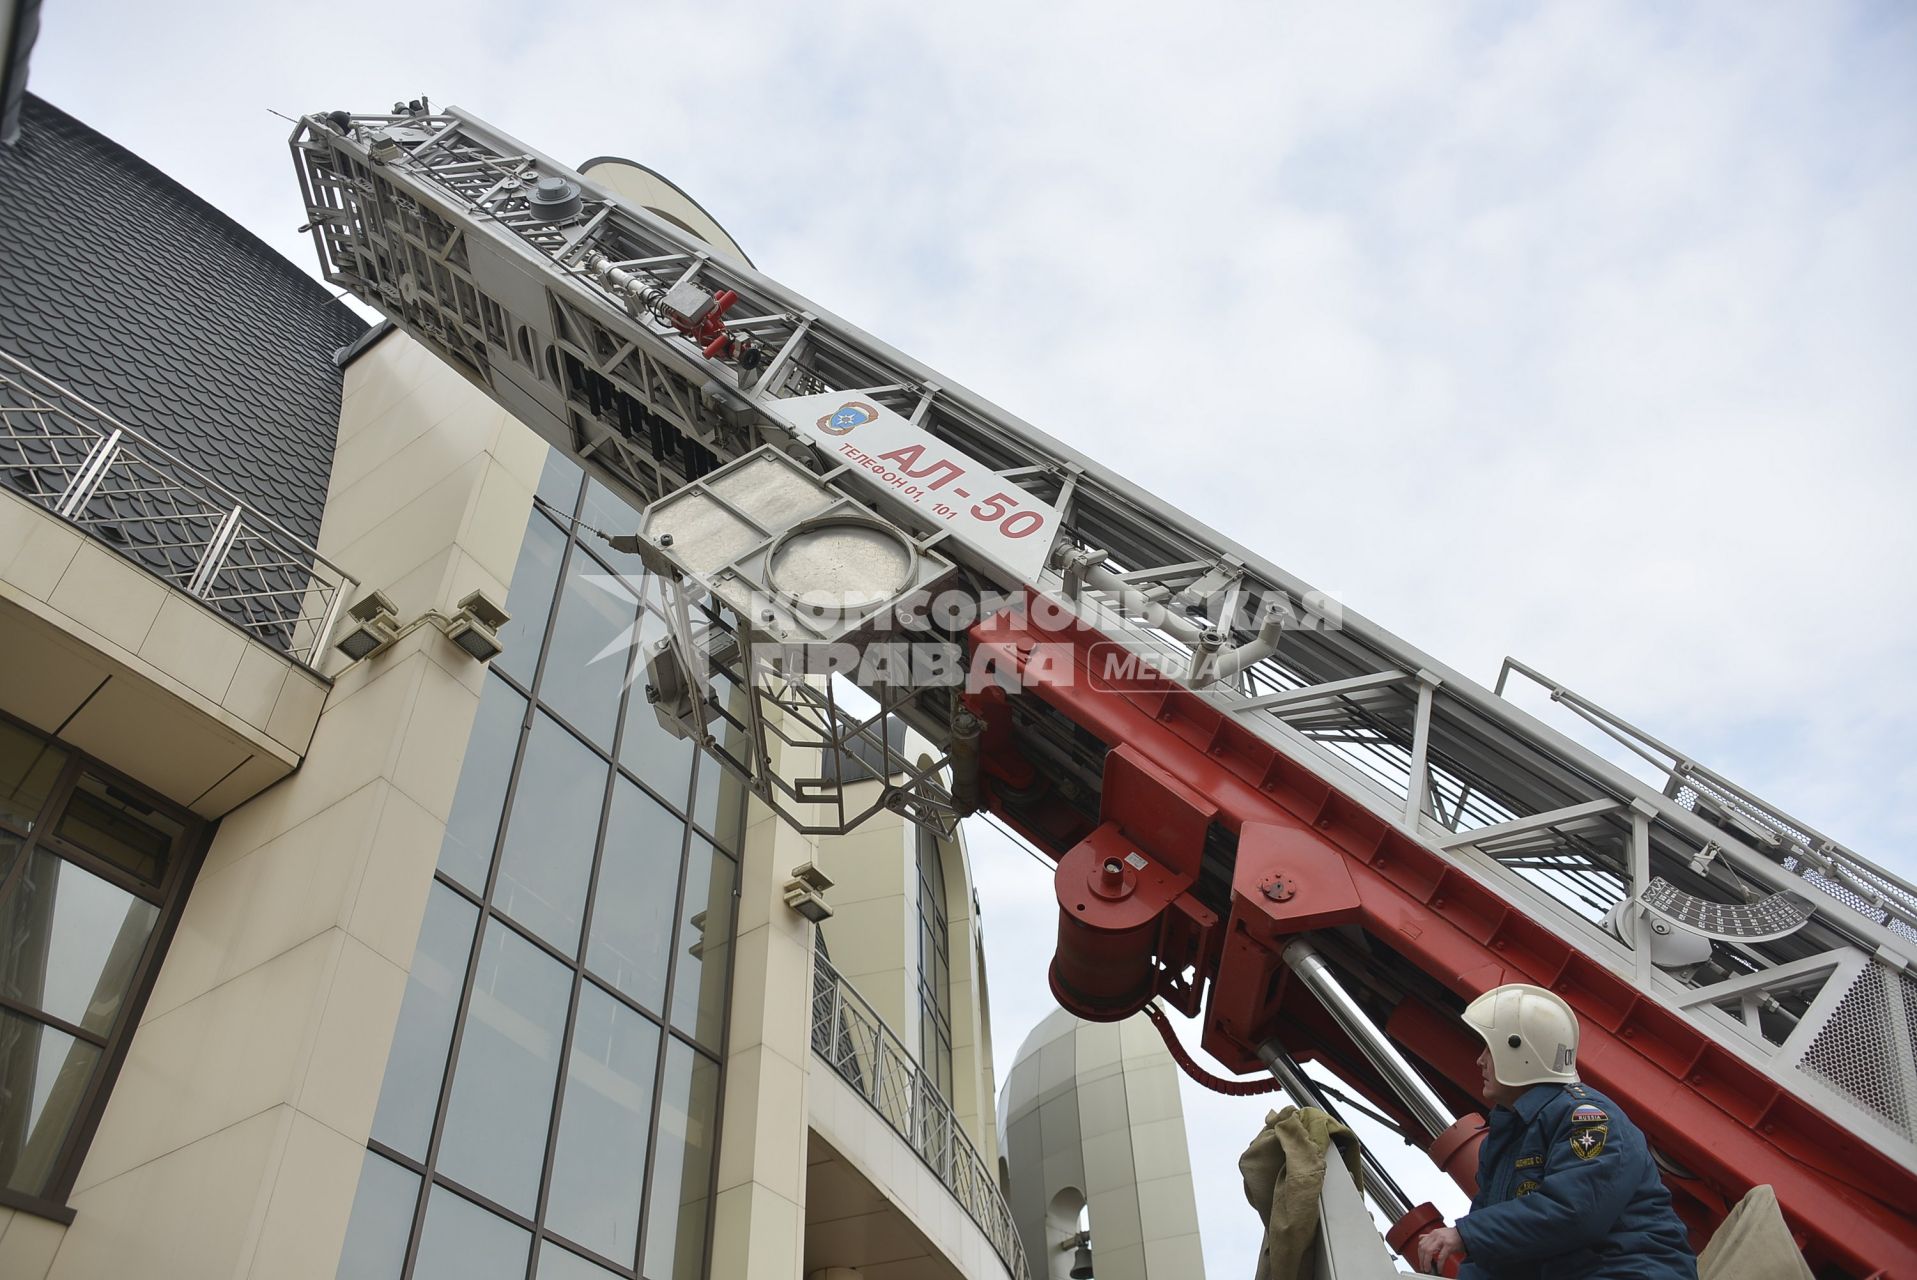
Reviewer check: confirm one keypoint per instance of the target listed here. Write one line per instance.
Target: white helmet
(1533, 1035)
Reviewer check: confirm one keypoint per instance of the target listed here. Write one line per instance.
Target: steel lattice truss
(427, 218)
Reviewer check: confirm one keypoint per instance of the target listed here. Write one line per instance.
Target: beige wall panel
(1116, 1220)
(1165, 1205)
(1138, 1039)
(46, 676)
(383, 373)
(1177, 1256)
(493, 545)
(869, 935)
(396, 426)
(872, 861)
(243, 913)
(1101, 1105)
(18, 519)
(424, 768)
(28, 1246)
(296, 711)
(1095, 1107)
(1099, 1049)
(776, 1010)
(140, 716)
(356, 741)
(386, 551)
(1159, 1147)
(305, 1221)
(192, 1214)
(1151, 1091)
(758, 1222)
(397, 875)
(254, 690)
(236, 1052)
(241, 785)
(40, 558)
(520, 453)
(145, 732)
(1124, 1262)
(112, 616)
(756, 1234)
(409, 447)
(295, 885)
(109, 596)
(341, 1080)
(1108, 1163)
(354, 512)
(393, 412)
(194, 647)
(765, 1096)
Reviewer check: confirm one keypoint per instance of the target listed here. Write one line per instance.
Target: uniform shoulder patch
(1526, 1187)
(1587, 1141)
(1588, 1114)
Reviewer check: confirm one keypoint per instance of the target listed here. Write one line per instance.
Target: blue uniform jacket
(1567, 1190)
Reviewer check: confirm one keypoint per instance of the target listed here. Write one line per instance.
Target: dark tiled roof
(143, 298)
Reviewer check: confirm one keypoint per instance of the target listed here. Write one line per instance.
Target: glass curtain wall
(93, 873)
(550, 1106)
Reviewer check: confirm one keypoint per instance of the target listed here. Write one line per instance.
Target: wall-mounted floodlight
(475, 628)
(805, 892)
(373, 623)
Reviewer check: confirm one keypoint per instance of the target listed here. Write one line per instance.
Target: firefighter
(1567, 1189)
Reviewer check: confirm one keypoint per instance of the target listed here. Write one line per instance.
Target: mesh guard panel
(1856, 1052)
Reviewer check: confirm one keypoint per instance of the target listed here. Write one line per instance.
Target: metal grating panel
(1856, 1052)
(1870, 907)
(85, 466)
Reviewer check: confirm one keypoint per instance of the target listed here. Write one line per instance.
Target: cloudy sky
(1580, 333)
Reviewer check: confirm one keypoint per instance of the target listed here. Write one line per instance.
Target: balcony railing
(85, 466)
(855, 1041)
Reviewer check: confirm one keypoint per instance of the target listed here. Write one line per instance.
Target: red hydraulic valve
(1415, 1226)
(1127, 923)
(710, 331)
(1110, 900)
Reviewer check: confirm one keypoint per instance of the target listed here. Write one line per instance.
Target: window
(552, 1093)
(93, 871)
(935, 964)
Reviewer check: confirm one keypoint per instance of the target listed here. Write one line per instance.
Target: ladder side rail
(1681, 770)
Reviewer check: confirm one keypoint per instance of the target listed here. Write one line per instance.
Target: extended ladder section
(1220, 758)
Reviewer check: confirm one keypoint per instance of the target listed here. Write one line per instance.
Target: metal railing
(81, 463)
(1852, 879)
(857, 1044)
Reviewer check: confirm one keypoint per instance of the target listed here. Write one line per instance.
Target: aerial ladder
(1265, 812)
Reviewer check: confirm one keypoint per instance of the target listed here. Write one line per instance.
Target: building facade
(412, 963)
(1098, 1165)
